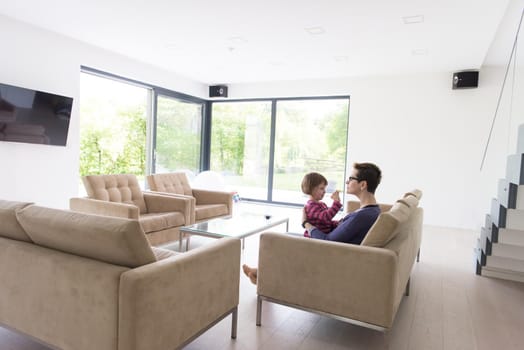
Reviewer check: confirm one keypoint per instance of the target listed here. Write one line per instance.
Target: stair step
(514, 169)
(484, 241)
(506, 218)
(498, 213)
(514, 219)
(507, 194)
(507, 251)
(520, 139)
(499, 262)
(502, 273)
(509, 236)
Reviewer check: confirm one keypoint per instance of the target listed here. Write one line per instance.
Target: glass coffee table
(240, 226)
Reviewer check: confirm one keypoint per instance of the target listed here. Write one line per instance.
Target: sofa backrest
(9, 226)
(170, 182)
(113, 240)
(120, 188)
(351, 206)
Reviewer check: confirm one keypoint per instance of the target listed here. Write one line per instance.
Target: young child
(317, 212)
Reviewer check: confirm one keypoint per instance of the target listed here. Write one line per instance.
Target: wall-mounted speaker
(218, 91)
(465, 80)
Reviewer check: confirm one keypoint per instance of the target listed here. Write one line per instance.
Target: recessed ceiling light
(315, 30)
(419, 52)
(413, 19)
(276, 63)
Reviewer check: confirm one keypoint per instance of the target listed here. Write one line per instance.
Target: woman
(364, 180)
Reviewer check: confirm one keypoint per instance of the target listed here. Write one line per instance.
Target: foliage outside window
(113, 119)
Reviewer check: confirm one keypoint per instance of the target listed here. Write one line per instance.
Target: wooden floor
(449, 308)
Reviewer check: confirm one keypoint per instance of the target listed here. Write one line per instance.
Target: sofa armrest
(352, 281)
(159, 203)
(99, 207)
(214, 197)
(183, 196)
(165, 303)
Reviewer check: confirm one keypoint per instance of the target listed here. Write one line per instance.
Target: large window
(264, 148)
(310, 136)
(178, 135)
(122, 132)
(113, 123)
(240, 136)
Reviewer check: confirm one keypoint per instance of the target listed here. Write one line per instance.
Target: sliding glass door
(178, 135)
(310, 136)
(240, 140)
(264, 148)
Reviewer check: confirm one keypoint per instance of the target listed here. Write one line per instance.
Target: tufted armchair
(206, 204)
(120, 195)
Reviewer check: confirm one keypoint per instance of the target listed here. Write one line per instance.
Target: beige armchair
(120, 195)
(206, 204)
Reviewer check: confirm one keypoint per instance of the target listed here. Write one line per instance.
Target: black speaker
(465, 80)
(218, 91)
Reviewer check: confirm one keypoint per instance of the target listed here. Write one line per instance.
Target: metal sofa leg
(407, 287)
(259, 310)
(234, 322)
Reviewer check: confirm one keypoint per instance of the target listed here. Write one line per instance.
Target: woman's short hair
(370, 173)
(312, 180)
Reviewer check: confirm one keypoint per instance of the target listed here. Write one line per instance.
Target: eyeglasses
(353, 178)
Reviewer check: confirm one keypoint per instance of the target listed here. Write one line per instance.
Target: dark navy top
(353, 227)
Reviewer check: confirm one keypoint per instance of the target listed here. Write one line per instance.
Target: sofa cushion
(410, 200)
(120, 188)
(170, 182)
(10, 227)
(206, 211)
(113, 240)
(387, 225)
(416, 192)
(161, 253)
(154, 222)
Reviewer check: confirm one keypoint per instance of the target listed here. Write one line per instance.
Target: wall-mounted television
(32, 116)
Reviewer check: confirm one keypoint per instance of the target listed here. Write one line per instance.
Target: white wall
(420, 132)
(41, 60)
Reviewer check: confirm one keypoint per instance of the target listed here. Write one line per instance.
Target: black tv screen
(33, 116)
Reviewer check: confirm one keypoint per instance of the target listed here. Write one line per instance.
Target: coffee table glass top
(240, 225)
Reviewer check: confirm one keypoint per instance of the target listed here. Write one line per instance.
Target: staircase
(500, 250)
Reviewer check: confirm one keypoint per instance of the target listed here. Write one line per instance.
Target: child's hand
(335, 196)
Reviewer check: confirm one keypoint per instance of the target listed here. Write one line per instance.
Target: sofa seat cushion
(10, 227)
(162, 254)
(206, 211)
(113, 240)
(153, 222)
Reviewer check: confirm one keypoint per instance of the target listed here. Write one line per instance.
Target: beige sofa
(120, 195)
(76, 281)
(205, 204)
(361, 284)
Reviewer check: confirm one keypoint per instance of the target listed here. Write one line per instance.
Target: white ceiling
(235, 41)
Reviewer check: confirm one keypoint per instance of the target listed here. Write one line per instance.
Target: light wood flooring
(449, 307)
